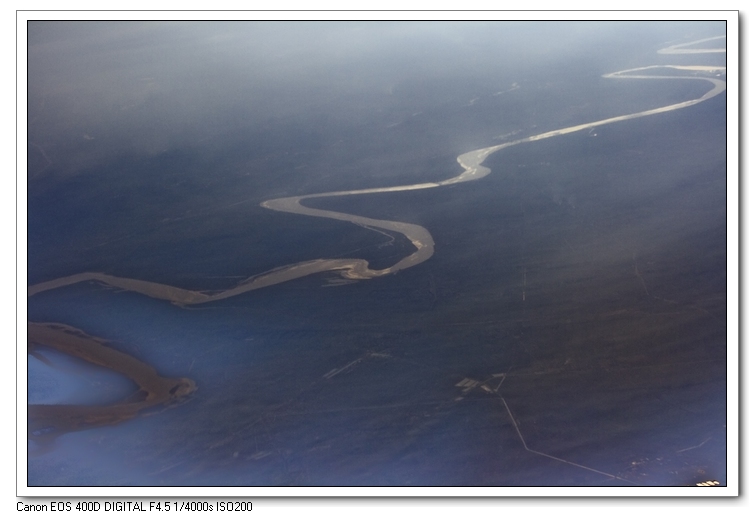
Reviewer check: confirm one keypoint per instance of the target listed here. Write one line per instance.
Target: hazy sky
(98, 88)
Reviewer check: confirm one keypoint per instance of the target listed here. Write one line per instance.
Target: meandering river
(50, 421)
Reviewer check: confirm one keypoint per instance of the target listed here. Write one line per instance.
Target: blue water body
(615, 358)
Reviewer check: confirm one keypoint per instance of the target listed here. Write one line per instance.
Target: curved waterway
(48, 421)
(65, 338)
(420, 237)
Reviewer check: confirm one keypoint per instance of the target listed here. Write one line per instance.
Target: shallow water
(589, 268)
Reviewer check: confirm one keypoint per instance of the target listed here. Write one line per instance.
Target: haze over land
(558, 321)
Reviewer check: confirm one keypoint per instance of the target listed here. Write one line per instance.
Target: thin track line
(533, 451)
